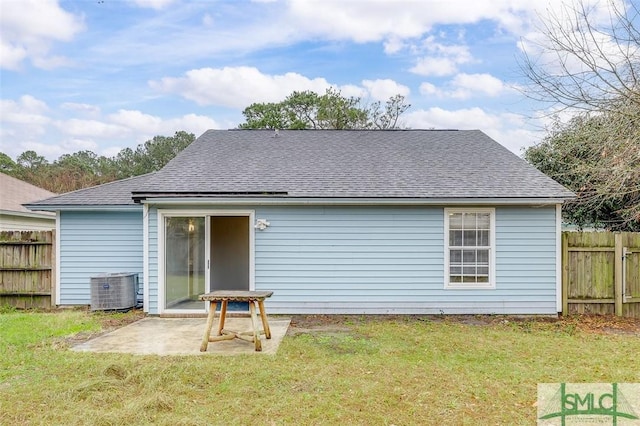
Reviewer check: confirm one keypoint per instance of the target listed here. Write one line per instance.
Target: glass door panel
(184, 262)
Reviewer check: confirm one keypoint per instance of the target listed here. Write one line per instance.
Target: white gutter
(42, 215)
(93, 207)
(351, 201)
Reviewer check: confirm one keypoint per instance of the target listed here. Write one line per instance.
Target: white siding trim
(491, 285)
(559, 257)
(160, 263)
(252, 250)
(57, 248)
(145, 258)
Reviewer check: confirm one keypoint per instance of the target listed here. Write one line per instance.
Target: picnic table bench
(225, 296)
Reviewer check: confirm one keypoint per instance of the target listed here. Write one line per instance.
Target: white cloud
(27, 121)
(11, 55)
(135, 120)
(510, 130)
(429, 89)
(485, 84)
(207, 20)
(358, 21)
(236, 87)
(145, 126)
(383, 89)
(27, 111)
(30, 27)
(438, 67)
(398, 25)
(376, 20)
(464, 86)
(86, 109)
(153, 4)
(351, 90)
(239, 87)
(52, 152)
(79, 144)
(193, 123)
(148, 125)
(442, 59)
(438, 118)
(98, 129)
(393, 45)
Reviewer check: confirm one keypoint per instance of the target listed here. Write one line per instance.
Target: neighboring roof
(116, 193)
(14, 193)
(349, 164)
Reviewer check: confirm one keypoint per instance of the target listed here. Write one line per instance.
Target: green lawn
(352, 370)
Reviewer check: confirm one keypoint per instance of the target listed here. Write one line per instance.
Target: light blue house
(377, 222)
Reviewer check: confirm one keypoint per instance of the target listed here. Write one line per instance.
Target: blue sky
(102, 75)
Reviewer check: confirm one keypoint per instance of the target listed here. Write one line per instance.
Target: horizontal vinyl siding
(93, 243)
(526, 258)
(389, 260)
(349, 259)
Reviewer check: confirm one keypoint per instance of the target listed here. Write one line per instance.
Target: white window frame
(492, 250)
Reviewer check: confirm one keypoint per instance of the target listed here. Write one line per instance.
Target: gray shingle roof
(333, 164)
(350, 163)
(116, 193)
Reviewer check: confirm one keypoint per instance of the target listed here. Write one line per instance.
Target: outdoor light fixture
(262, 224)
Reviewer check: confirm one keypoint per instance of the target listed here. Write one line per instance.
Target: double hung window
(469, 248)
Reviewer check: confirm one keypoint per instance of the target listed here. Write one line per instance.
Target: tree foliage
(332, 110)
(85, 168)
(152, 155)
(598, 157)
(589, 67)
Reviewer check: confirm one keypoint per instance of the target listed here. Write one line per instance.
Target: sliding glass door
(185, 262)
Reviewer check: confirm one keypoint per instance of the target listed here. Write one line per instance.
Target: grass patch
(384, 370)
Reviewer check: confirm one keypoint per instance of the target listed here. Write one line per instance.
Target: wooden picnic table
(225, 296)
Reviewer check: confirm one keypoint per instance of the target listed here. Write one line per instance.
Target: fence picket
(27, 262)
(593, 271)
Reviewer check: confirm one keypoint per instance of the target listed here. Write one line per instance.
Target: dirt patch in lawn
(604, 324)
(599, 324)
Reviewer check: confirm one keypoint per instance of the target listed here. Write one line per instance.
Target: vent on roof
(114, 291)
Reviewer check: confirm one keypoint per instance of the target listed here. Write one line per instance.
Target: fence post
(618, 270)
(565, 274)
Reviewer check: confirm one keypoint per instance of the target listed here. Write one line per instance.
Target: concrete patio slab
(182, 336)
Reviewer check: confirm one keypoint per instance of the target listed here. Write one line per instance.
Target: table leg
(207, 332)
(223, 316)
(254, 321)
(263, 316)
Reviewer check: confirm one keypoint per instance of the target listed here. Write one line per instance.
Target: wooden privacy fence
(601, 273)
(27, 268)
